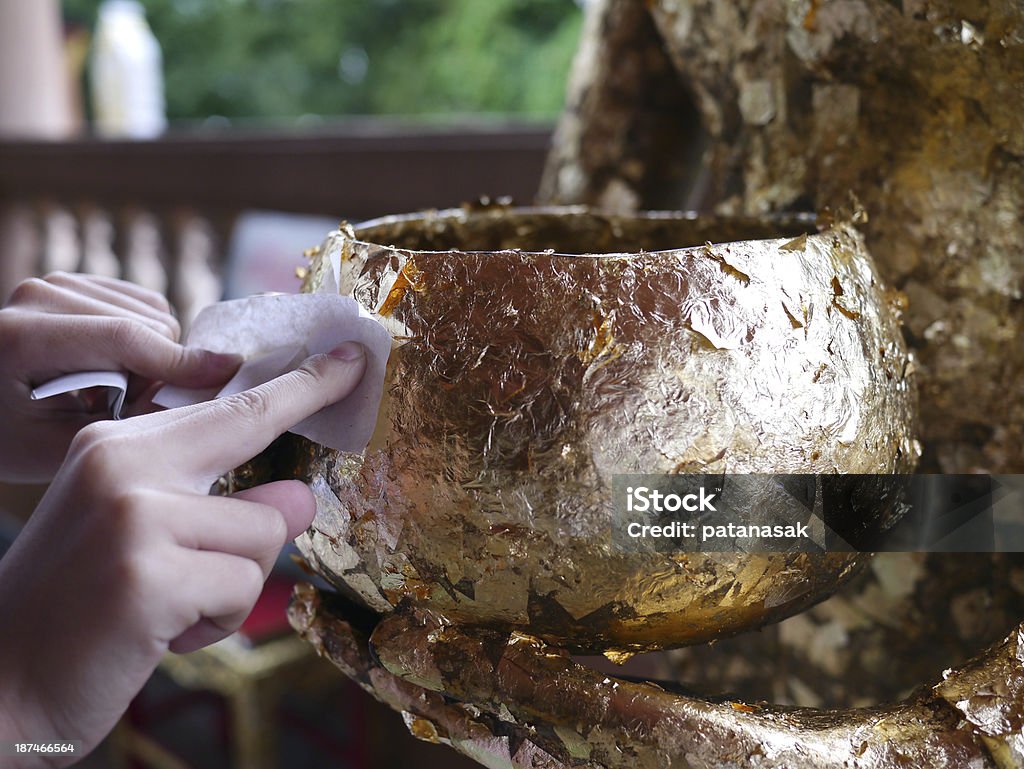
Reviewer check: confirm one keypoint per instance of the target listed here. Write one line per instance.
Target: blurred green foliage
(287, 58)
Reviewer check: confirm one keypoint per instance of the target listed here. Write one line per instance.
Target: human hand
(127, 555)
(65, 323)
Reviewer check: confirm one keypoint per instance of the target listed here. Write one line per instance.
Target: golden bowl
(538, 353)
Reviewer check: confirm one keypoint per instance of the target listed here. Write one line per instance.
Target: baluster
(62, 245)
(141, 250)
(20, 246)
(98, 257)
(197, 276)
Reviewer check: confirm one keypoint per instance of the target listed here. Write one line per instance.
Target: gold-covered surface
(913, 105)
(511, 701)
(521, 381)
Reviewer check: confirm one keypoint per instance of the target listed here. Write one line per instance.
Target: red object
(269, 617)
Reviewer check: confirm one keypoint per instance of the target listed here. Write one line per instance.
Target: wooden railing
(160, 212)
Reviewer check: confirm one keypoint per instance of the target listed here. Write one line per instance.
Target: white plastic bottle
(127, 74)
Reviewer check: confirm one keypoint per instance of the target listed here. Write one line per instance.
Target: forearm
(17, 727)
(23, 718)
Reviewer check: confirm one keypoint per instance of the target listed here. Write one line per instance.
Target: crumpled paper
(276, 334)
(115, 381)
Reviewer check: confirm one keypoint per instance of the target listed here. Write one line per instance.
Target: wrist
(15, 729)
(10, 727)
(17, 723)
(11, 730)
(19, 710)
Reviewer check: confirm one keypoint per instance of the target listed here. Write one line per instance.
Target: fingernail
(225, 360)
(348, 351)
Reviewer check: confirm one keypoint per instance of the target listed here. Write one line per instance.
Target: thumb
(223, 433)
(192, 367)
(66, 343)
(149, 354)
(292, 499)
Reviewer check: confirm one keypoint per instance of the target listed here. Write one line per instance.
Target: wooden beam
(355, 173)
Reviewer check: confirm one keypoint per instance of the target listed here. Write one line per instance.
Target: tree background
(281, 59)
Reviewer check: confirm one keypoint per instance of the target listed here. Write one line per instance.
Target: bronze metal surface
(511, 701)
(521, 381)
(913, 105)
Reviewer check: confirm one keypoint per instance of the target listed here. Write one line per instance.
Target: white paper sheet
(115, 381)
(275, 334)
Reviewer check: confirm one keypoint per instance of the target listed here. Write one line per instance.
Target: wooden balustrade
(160, 213)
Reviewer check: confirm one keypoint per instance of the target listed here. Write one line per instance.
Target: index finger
(147, 296)
(214, 437)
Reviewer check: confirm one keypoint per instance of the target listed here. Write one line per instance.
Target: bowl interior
(573, 231)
